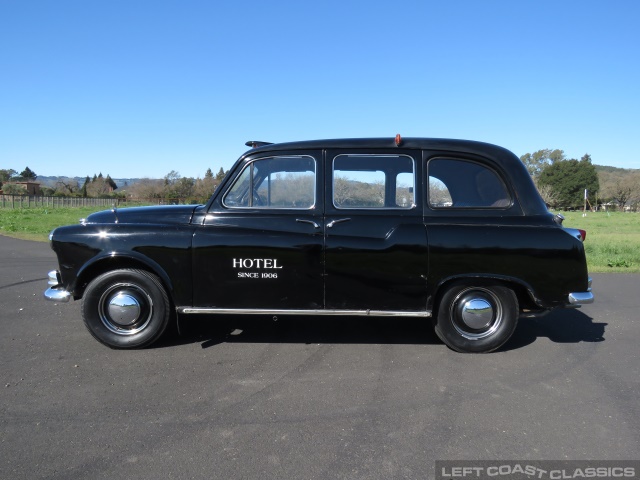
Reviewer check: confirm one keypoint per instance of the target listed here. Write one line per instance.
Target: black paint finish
(212, 256)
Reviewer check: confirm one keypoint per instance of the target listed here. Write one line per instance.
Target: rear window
(457, 183)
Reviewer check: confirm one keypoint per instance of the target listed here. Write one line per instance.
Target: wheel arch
(116, 261)
(524, 293)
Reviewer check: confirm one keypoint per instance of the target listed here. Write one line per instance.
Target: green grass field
(612, 244)
(36, 223)
(613, 240)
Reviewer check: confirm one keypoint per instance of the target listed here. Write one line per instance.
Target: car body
(448, 230)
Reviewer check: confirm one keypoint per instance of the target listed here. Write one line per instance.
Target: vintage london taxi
(452, 231)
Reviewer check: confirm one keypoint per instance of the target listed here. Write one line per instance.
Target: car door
(260, 246)
(375, 240)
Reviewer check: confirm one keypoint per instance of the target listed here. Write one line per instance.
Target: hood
(164, 215)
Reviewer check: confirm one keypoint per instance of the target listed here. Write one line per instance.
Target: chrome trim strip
(580, 298)
(57, 295)
(248, 311)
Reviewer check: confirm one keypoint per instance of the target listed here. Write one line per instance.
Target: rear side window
(457, 183)
(373, 181)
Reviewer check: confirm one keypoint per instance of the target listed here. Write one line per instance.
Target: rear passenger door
(375, 240)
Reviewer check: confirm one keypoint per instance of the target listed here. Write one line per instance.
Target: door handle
(340, 220)
(301, 220)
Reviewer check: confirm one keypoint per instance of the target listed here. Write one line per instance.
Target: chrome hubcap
(476, 313)
(125, 309)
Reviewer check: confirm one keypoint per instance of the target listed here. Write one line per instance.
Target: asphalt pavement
(299, 398)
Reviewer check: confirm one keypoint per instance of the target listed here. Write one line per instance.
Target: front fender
(85, 251)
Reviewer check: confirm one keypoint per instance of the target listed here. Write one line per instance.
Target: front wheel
(476, 318)
(126, 308)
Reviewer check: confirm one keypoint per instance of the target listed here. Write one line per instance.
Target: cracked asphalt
(299, 398)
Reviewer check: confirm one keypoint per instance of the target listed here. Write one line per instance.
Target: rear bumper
(581, 298)
(55, 293)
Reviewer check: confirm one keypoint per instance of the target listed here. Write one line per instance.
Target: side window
(275, 182)
(373, 181)
(465, 184)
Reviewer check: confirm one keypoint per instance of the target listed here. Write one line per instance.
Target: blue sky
(139, 88)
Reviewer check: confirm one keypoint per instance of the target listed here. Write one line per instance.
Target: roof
(389, 142)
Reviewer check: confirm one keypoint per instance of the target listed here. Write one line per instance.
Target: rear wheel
(126, 308)
(476, 318)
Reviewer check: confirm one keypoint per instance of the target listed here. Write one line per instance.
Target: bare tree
(67, 186)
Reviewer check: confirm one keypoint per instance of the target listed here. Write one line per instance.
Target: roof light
(398, 140)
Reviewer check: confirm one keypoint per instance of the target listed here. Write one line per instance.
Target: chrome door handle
(301, 220)
(340, 220)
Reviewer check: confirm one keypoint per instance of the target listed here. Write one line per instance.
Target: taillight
(576, 233)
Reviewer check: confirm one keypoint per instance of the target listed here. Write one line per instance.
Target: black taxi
(451, 231)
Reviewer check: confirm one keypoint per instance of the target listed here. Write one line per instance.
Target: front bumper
(55, 292)
(581, 298)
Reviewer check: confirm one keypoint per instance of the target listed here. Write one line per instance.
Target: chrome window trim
(382, 209)
(254, 207)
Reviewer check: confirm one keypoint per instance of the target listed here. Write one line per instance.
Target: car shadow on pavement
(213, 330)
(560, 326)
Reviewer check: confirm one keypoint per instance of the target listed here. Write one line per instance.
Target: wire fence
(35, 201)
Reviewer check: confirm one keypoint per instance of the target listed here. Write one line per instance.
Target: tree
(148, 189)
(6, 174)
(171, 178)
(83, 191)
(98, 188)
(208, 173)
(220, 175)
(28, 175)
(67, 186)
(622, 189)
(568, 179)
(182, 188)
(13, 189)
(111, 183)
(536, 162)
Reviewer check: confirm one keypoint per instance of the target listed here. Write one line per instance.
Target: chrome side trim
(56, 295)
(248, 311)
(580, 298)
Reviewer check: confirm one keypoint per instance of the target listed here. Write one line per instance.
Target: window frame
(453, 208)
(250, 165)
(413, 204)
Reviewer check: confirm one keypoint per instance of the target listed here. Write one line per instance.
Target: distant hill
(120, 182)
(615, 170)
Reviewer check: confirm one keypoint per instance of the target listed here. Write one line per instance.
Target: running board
(360, 313)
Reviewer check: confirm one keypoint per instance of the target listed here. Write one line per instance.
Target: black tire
(126, 308)
(476, 319)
